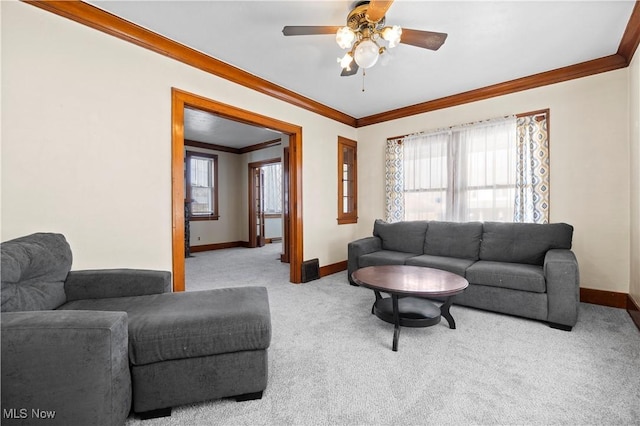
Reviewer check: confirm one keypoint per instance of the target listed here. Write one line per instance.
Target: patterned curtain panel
(394, 181)
(532, 179)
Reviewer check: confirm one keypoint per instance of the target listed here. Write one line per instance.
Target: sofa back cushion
(453, 239)
(523, 242)
(33, 272)
(407, 237)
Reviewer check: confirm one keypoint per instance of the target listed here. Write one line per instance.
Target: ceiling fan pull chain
(363, 74)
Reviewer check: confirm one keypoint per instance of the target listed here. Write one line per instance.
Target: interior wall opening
(205, 127)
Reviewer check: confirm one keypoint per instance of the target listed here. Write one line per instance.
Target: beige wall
(634, 130)
(86, 143)
(232, 226)
(589, 142)
(228, 228)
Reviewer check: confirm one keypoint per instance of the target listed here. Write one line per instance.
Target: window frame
(394, 156)
(214, 177)
(350, 216)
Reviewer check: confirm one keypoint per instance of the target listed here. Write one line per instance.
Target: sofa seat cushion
(185, 325)
(453, 239)
(406, 236)
(384, 257)
(33, 271)
(450, 264)
(508, 275)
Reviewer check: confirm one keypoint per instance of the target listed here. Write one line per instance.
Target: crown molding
(583, 69)
(246, 149)
(100, 20)
(631, 36)
(110, 24)
(211, 146)
(262, 145)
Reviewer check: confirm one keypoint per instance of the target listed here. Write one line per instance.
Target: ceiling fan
(364, 34)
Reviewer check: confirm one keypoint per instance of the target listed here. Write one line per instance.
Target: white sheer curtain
(464, 173)
(273, 188)
(484, 171)
(426, 169)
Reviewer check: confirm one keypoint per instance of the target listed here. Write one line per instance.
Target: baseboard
(218, 246)
(333, 268)
(634, 310)
(604, 298)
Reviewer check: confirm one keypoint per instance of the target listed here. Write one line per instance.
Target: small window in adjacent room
(347, 181)
(202, 185)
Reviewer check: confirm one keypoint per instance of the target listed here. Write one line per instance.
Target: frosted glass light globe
(345, 37)
(366, 53)
(345, 61)
(392, 35)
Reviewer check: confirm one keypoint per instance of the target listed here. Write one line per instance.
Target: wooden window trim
(216, 214)
(349, 217)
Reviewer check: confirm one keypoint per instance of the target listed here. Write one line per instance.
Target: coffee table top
(411, 280)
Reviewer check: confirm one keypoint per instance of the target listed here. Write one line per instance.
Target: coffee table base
(411, 312)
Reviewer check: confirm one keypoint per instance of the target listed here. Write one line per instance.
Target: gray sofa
(519, 269)
(92, 346)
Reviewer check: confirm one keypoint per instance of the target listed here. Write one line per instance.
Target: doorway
(292, 176)
(267, 212)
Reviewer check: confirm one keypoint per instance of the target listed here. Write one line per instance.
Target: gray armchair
(91, 346)
(72, 364)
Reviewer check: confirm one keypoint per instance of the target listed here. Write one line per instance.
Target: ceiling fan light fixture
(392, 35)
(345, 37)
(366, 53)
(345, 61)
(366, 37)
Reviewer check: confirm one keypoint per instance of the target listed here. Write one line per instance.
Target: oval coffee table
(408, 287)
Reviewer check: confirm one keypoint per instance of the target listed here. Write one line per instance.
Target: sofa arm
(563, 287)
(106, 283)
(71, 366)
(357, 248)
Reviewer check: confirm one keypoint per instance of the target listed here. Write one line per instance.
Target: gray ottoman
(194, 346)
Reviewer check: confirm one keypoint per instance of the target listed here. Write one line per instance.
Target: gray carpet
(331, 361)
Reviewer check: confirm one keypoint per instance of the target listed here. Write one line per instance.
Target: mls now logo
(23, 413)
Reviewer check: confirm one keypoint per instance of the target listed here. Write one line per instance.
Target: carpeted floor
(330, 360)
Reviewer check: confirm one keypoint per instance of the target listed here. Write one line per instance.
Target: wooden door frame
(284, 256)
(181, 99)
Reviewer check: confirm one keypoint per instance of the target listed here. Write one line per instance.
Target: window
(495, 170)
(202, 185)
(347, 181)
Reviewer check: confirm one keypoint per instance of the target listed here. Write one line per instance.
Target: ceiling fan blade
(377, 9)
(297, 30)
(425, 39)
(354, 70)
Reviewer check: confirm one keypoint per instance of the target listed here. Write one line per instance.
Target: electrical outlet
(198, 238)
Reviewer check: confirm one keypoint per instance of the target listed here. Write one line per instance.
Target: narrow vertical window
(347, 181)
(202, 188)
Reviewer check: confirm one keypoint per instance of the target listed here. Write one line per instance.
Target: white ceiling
(489, 42)
(205, 127)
